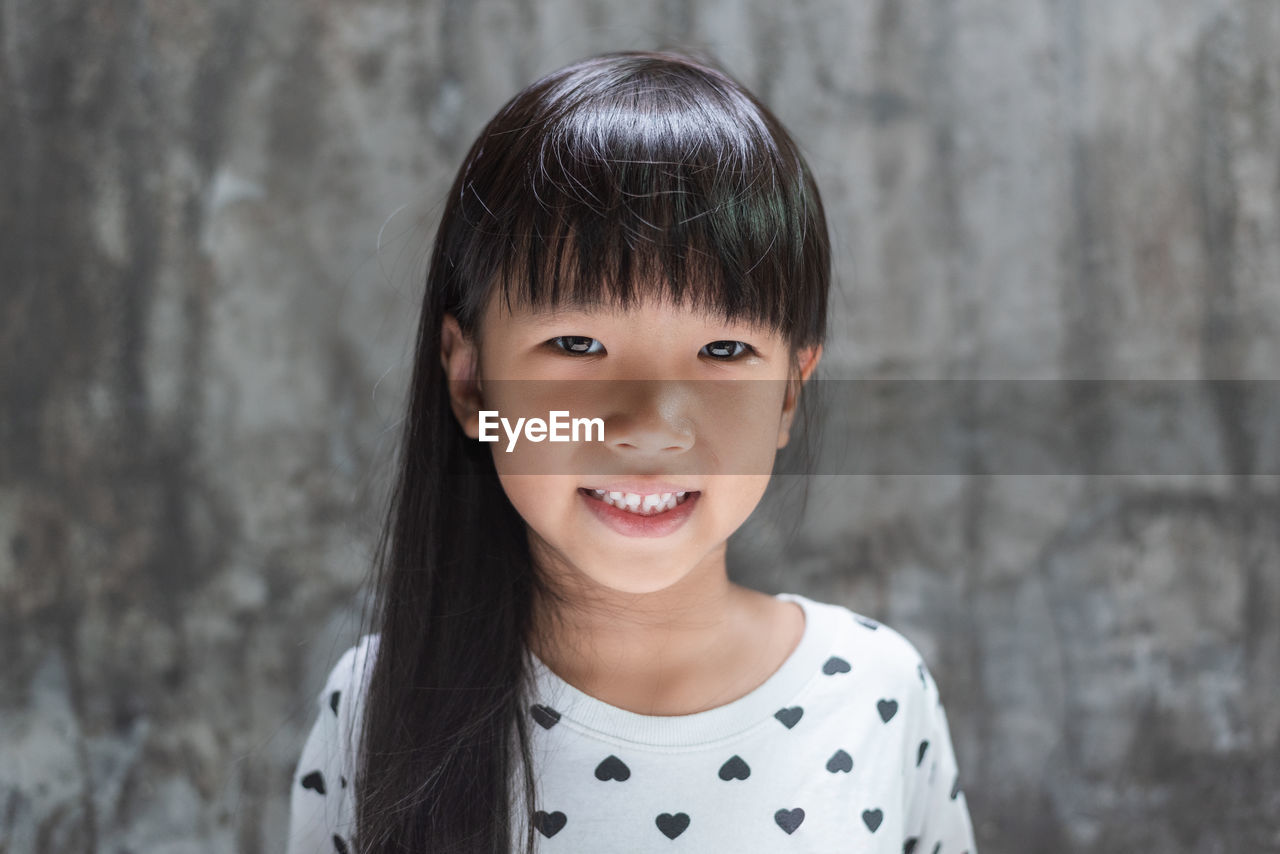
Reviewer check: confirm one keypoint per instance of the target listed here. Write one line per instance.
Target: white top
(846, 747)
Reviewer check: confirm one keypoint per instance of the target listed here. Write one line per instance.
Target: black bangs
(635, 176)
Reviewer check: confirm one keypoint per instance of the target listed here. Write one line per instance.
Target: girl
(561, 662)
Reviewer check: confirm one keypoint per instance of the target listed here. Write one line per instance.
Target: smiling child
(561, 662)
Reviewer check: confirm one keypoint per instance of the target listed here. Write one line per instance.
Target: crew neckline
(710, 725)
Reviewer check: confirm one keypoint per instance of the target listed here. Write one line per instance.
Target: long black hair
(626, 171)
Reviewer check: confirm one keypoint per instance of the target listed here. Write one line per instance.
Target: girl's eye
(581, 345)
(577, 344)
(726, 350)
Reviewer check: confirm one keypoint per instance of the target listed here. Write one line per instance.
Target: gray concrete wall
(213, 224)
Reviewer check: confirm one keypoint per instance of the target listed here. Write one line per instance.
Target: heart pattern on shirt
(672, 825)
(789, 820)
(835, 664)
(612, 768)
(789, 717)
(887, 709)
(549, 823)
(735, 768)
(546, 716)
(314, 780)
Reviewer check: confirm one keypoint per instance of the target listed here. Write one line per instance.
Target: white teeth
(642, 505)
(652, 501)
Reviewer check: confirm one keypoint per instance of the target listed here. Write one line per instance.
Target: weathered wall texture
(202, 352)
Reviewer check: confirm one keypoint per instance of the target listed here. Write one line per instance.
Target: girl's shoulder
(352, 666)
(873, 643)
(344, 687)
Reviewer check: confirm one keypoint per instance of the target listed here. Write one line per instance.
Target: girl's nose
(651, 417)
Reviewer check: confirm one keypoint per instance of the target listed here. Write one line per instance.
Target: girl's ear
(459, 357)
(807, 359)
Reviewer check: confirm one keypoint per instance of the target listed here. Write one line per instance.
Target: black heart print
(549, 823)
(612, 768)
(955, 787)
(887, 708)
(840, 761)
(339, 845)
(789, 717)
(835, 664)
(872, 819)
(938, 848)
(924, 745)
(314, 780)
(870, 624)
(343, 781)
(672, 825)
(789, 820)
(734, 769)
(920, 670)
(910, 844)
(333, 701)
(545, 715)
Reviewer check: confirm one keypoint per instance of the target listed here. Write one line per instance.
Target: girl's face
(688, 403)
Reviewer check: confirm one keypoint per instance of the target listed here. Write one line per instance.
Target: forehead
(648, 307)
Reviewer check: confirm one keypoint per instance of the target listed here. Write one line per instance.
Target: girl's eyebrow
(540, 315)
(547, 315)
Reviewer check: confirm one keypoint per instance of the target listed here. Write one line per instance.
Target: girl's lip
(635, 525)
(642, 487)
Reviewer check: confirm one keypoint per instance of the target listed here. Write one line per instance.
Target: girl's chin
(629, 575)
(636, 585)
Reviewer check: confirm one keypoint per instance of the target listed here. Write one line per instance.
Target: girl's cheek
(539, 499)
(741, 493)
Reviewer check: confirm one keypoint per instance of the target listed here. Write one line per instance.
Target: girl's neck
(698, 644)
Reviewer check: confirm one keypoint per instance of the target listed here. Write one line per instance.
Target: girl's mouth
(636, 515)
(641, 505)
